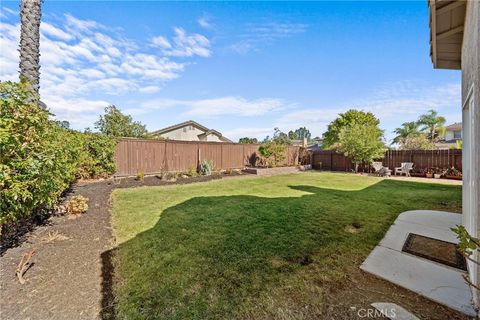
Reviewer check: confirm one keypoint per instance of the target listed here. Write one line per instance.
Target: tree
(114, 123)
(63, 124)
(247, 140)
(349, 118)
(299, 134)
(416, 142)
(30, 14)
(432, 124)
(361, 143)
(280, 136)
(408, 129)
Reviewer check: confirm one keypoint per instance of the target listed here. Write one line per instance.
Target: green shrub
(192, 171)
(140, 176)
(272, 152)
(206, 167)
(39, 159)
(97, 157)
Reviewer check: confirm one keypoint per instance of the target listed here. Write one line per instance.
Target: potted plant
(438, 172)
(453, 173)
(417, 172)
(429, 173)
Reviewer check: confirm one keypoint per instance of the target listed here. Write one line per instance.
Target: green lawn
(253, 247)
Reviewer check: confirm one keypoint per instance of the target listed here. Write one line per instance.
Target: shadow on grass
(246, 256)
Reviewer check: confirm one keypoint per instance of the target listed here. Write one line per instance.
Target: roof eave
(446, 42)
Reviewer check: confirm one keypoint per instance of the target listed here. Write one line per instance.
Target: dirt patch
(71, 272)
(353, 228)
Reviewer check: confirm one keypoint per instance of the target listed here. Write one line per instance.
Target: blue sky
(242, 68)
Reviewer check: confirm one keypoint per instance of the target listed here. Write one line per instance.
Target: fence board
(153, 156)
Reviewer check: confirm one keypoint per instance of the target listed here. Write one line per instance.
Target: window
(457, 134)
(184, 129)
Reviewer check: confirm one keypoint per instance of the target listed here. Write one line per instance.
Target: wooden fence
(153, 156)
(422, 159)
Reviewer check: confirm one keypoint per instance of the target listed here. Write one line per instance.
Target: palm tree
(432, 124)
(408, 129)
(30, 14)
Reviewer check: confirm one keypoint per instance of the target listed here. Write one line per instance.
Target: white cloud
(5, 12)
(149, 89)
(161, 42)
(84, 64)
(80, 25)
(259, 133)
(50, 30)
(237, 106)
(260, 34)
(275, 30)
(214, 107)
(183, 44)
(205, 22)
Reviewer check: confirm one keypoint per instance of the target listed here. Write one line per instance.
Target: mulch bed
(70, 276)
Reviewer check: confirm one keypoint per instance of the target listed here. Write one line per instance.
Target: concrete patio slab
(433, 280)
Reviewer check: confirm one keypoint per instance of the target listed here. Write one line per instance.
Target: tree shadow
(209, 257)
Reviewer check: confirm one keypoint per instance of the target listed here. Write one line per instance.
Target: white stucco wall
(213, 137)
(471, 128)
(187, 133)
(448, 135)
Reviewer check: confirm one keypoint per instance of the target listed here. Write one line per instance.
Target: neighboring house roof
(206, 130)
(454, 127)
(447, 19)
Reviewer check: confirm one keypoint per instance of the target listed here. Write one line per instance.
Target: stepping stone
(393, 311)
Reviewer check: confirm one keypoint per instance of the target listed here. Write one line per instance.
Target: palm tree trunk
(30, 14)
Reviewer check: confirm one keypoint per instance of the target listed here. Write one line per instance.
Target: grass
(253, 247)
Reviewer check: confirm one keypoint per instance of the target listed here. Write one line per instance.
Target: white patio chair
(380, 169)
(405, 168)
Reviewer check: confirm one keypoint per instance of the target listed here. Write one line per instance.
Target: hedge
(39, 159)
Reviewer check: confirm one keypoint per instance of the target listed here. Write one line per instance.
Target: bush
(97, 156)
(192, 171)
(140, 176)
(273, 152)
(206, 167)
(39, 159)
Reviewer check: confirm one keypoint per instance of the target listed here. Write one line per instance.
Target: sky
(242, 68)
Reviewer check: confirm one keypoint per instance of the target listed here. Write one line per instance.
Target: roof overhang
(447, 19)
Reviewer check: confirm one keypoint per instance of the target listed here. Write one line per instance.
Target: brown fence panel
(232, 156)
(422, 159)
(152, 156)
(209, 151)
(181, 155)
(250, 154)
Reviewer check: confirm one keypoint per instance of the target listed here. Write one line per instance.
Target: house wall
(187, 133)
(449, 135)
(213, 138)
(471, 128)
